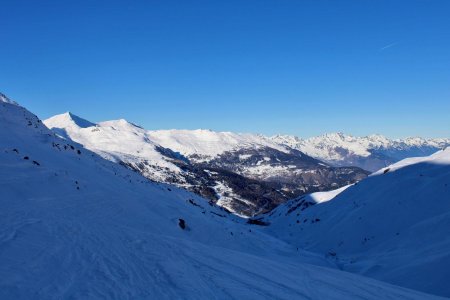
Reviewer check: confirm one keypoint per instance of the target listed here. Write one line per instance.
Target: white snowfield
(205, 143)
(439, 158)
(209, 143)
(122, 140)
(118, 136)
(393, 226)
(76, 226)
(320, 197)
(369, 152)
(320, 146)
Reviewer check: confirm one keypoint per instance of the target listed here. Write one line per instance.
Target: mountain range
(247, 174)
(370, 153)
(74, 225)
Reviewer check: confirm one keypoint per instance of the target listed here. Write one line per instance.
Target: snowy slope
(320, 197)
(75, 226)
(393, 226)
(245, 173)
(118, 141)
(4, 99)
(371, 153)
(206, 144)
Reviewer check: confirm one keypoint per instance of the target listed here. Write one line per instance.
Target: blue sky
(292, 67)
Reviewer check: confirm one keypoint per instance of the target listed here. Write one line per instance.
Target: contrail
(388, 46)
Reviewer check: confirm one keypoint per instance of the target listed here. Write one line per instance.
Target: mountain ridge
(246, 173)
(392, 226)
(74, 225)
(216, 164)
(371, 152)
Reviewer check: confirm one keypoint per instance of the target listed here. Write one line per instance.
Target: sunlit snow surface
(206, 144)
(320, 197)
(114, 140)
(75, 226)
(173, 156)
(393, 226)
(371, 152)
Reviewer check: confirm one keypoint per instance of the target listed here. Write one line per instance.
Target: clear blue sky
(293, 67)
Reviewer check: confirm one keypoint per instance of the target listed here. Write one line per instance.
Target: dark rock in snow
(182, 224)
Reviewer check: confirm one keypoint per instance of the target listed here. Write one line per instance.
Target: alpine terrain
(369, 153)
(393, 226)
(247, 174)
(76, 226)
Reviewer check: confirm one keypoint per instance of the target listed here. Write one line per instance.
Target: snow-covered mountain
(245, 173)
(204, 145)
(76, 226)
(393, 226)
(119, 141)
(371, 153)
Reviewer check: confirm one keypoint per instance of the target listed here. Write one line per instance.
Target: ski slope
(76, 226)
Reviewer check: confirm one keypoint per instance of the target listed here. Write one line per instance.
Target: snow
(441, 158)
(227, 197)
(264, 171)
(209, 143)
(76, 226)
(371, 152)
(392, 226)
(320, 197)
(167, 156)
(120, 140)
(244, 156)
(320, 147)
(5, 99)
(117, 140)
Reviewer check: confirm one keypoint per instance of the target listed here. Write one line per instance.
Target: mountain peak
(120, 123)
(377, 136)
(4, 98)
(67, 119)
(336, 135)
